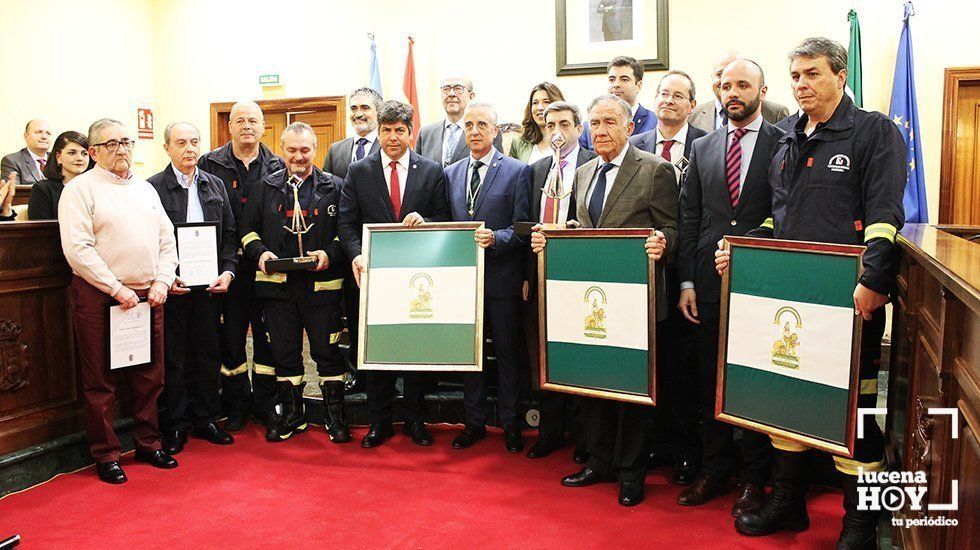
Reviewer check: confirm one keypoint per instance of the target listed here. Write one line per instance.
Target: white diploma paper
(130, 335)
(197, 253)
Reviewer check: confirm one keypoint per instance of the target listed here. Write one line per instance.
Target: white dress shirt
(37, 163)
(610, 176)
(719, 114)
(371, 138)
(677, 149)
(402, 165)
(445, 135)
(567, 179)
(486, 159)
(748, 146)
(195, 213)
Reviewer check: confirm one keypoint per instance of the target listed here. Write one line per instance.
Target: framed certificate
(788, 354)
(197, 253)
(421, 298)
(129, 336)
(597, 314)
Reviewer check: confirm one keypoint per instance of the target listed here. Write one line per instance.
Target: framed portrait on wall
(591, 32)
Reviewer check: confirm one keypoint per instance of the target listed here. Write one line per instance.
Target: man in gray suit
(29, 162)
(363, 105)
(623, 187)
(709, 116)
(444, 141)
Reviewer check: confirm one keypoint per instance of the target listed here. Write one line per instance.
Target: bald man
(709, 116)
(29, 162)
(241, 164)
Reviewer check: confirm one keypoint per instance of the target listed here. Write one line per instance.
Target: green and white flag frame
(789, 341)
(614, 358)
(421, 306)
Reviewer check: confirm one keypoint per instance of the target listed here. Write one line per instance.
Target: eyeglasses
(458, 88)
(113, 144)
(665, 95)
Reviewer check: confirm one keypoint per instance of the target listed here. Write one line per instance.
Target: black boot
(333, 411)
(292, 419)
(860, 527)
(785, 508)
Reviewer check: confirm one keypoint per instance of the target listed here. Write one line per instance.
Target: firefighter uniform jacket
(268, 212)
(842, 184)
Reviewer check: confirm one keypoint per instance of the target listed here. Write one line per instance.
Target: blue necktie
(359, 153)
(599, 194)
(450, 144)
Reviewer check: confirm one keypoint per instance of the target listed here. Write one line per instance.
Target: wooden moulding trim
(277, 106)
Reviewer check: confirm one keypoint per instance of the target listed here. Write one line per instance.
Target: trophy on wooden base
(554, 187)
(298, 228)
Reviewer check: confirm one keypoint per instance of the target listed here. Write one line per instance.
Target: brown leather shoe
(705, 488)
(751, 497)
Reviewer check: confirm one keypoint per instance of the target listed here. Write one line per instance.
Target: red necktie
(43, 163)
(396, 195)
(665, 152)
(733, 165)
(550, 204)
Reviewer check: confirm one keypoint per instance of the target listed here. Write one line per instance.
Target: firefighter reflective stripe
(869, 387)
(264, 369)
(850, 466)
(243, 368)
(767, 223)
(338, 378)
(294, 380)
(334, 284)
(880, 231)
(277, 278)
(335, 337)
(787, 445)
(253, 236)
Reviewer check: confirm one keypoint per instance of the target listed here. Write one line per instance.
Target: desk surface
(952, 259)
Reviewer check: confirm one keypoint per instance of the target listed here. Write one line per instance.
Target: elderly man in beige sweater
(120, 245)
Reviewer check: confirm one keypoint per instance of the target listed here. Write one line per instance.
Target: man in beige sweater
(120, 245)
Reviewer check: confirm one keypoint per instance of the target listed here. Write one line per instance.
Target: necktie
(396, 195)
(474, 184)
(447, 155)
(665, 152)
(359, 153)
(550, 203)
(733, 165)
(42, 163)
(724, 118)
(599, 194)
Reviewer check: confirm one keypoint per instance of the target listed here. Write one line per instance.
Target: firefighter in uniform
(241, 164)
(299, 300)
(837, 177)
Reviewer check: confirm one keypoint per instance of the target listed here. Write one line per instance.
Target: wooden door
(275, 123)
(959, 192)
(325, 126)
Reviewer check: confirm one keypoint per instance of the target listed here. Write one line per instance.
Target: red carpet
(306, 492)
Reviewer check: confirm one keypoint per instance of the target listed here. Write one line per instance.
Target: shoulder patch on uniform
(839, 163)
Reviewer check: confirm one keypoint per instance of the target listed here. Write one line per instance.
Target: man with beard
(711, 115)
(443, 141)
(192, 356)
(241, 164)
(674, 437)
(725, 192)
(625, 76)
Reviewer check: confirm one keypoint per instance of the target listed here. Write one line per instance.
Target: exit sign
(269, 79)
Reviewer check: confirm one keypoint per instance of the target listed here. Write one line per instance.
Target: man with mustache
(710, 116)
(625, 77)
(191, 341)
(29, 162)
(443, 141)
(725, 192)
(241, 164)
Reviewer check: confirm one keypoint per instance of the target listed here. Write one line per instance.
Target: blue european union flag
(375, 72)
(904, 113)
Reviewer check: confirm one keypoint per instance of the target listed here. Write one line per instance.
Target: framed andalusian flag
(788, 359)
(421, 298)
(597, 314)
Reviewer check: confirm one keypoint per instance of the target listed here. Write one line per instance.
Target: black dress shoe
(541, 448)
(585, 477)
(684, 472)
(173, 441)
(751, 497)
(630, 493)
(469, 436)
(420, 436)
(213, 433)
(157, 459)
(580, 455)
(513, 440)
(705, 488)
(377, 435)
(111, 472)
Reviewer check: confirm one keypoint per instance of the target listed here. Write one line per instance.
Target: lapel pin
(495, 165)
(415, 166)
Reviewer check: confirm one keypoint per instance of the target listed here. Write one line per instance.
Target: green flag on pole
(854, 60)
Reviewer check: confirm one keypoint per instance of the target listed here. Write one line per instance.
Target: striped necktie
(733, 165)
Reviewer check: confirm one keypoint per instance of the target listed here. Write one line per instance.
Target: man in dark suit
(390, 186)
(625, 76)
(674, 436)
(444, 141)
(726, 192)
(711, 116)
(561, 119)
(623, 187)
(29, 162)
(192, 356)
(490, 187)
(363, 104)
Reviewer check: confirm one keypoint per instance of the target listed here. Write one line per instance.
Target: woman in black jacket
(67, 159)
